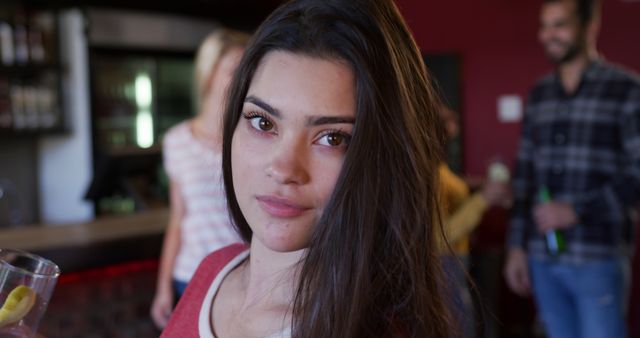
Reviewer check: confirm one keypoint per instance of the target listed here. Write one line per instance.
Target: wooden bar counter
(109, 269)
(100, 242)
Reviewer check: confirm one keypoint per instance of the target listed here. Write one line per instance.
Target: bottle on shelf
(5, 104)
(47, 112)
(21, 39)
(36, 49)
(30, 106)
(17, 105)
(7, 52)
(41, 27)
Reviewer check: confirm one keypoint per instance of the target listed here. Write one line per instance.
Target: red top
(184, 319)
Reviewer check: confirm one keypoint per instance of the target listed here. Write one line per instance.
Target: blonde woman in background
(199, 221)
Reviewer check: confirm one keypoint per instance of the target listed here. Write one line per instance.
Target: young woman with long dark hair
(331, 148)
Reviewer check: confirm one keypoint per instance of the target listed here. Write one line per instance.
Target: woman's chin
(283, 244)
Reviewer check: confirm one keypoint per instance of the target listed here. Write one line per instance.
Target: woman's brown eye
(335, 139)
(261, 123)
(265, 124)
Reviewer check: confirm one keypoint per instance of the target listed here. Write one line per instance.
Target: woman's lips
(280, 207)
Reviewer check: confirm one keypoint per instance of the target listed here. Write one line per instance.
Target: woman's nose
(287, 164)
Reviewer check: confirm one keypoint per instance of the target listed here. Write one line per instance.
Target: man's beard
(573, 49)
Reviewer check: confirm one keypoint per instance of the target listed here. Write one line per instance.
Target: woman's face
(289, 145)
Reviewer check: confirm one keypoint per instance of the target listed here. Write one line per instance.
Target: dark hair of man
(586, 10)
(371, 269)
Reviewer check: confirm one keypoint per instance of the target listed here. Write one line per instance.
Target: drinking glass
(26, 284)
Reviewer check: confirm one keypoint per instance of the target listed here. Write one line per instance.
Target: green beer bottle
(554, 240)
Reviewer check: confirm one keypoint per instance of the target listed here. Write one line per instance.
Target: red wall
(500, 55)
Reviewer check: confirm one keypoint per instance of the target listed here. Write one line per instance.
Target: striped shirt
(585, 147)
(205, 226)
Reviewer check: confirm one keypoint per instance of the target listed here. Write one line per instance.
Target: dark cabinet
(136, 96)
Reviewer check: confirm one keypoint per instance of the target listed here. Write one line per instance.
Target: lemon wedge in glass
(17, 305)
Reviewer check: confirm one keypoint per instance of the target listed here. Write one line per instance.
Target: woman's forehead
(298, 82)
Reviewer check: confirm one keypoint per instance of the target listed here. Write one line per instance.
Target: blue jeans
(460, 297)
(581, 300)
(178, 288)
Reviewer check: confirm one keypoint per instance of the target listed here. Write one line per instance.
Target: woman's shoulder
(219, 258)
(185, 318)
(179, 133)
(214, 263)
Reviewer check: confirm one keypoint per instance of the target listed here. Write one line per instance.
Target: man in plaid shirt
(580, 145)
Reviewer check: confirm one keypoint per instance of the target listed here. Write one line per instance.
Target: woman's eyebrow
(267, 107)
(320, 120)
(311, 121)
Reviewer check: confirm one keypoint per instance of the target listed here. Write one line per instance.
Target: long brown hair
(371, 268)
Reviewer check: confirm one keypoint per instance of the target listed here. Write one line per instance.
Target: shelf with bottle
(28, 37)
(30, 105)
(30, 72)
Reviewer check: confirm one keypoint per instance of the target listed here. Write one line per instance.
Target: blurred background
(88, 89)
